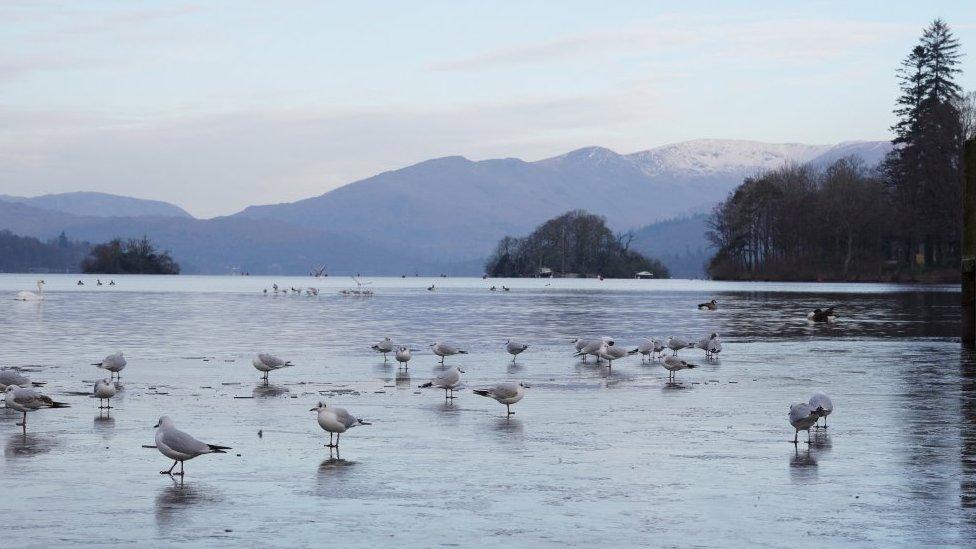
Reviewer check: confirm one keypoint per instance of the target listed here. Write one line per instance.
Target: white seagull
(31, 296)
(266, 363)
(802, 417)
(104, 391)
(444, 350)
(505, 393)
(648, 348)
(336, 421)
(672, 364)
(113, 363)
(822, 406)
(403, 356)
(676, 344)
(25, 399)
(179, 446)
(611, 353)
(13, 377)
(448, 380)
(593, 346)
(712, 345)
(514, 348)
(384, 346)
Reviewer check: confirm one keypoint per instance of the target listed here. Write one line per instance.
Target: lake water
(592, 456)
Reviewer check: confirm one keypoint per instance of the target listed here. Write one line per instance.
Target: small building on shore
(644, 275)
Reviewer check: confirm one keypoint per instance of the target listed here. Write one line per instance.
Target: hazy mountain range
(441, 215)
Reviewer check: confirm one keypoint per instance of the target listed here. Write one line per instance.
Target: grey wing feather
(184, 442)
(504, 390)
(345, 417)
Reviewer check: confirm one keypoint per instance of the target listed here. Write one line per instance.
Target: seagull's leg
(181, 467)
(825, 422)
(808, 436)
(170, 472)
(24, 423)
(337, 441)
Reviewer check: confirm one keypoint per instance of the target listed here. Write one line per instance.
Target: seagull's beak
(156, 426)
(312, 409)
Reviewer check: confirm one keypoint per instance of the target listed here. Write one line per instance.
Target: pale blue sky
(218, 105)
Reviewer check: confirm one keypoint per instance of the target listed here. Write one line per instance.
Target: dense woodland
(20, 254)
(576, 242)
(133, 256)
(899, 221)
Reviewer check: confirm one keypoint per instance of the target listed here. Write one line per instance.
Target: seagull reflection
(104, 423)
(267, 390)
(178, 497)
(334, 464)
(508, 425)
(802, 458)
(514, 367)
(20, 445)
(821, 441)
(403, 379)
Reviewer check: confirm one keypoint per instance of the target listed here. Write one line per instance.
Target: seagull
(24, 399)
(104, 391)
(403, 356)
(802, 417)
(13, 377)
(384, 346)
(593, 346)
(673, 364)
(676, 344)
(822, 406)
(648, 347)
(444, 350)
(579, 343)
(712, 345)
(179, 446)
(266, 363)
(430, 288)
(611, 353)
(505, 393)
(708, 306)
(337, 421)
(113, 363)
(448, 380)
(514, 348)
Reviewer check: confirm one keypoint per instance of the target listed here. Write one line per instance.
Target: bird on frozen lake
(672, 364)
(384, 346)
(179, 446)
(444, 350)
(449, 380)
(514, 348)
(403, 356)
(13, 377)
(506, 393)
(611, 353)
(712, 345)
(802, 417)
(104, 391)
(648, 348)
(676, 344)
(822, 406)
(114, 364)
(336, 421)
(592, 347)
(266, 363)
(25, 399)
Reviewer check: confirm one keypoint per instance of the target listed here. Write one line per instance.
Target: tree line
(132, 256)
(576, 242)
(900, 220)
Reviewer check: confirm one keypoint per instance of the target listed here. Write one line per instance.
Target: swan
(31, 296)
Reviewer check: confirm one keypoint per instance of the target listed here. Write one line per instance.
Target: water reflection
(803, 464)
(179, 497)
(104, 424)
(20, 445)
(267, 390)
(403, 379)
(508, 425)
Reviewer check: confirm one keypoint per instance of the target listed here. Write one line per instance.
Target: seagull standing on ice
(448, 380)
(593, 346)
(505, 393)
(384, 346)
(712, 345)
(648, 347)
(403, 356)
(676, 344)
(802, 417)
(611, 353)
(179, 446)
(514, 348)
(25, 399)
(822, 406)
(336, 421)
(444, 350)
(114, 364)
(13, 377)
(672, 364)
(104, 391)
(266, 363)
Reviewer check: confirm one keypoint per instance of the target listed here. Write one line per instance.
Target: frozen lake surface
(592, 457)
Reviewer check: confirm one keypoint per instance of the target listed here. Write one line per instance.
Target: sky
(215, 106)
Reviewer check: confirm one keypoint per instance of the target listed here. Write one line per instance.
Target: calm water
(592, 457)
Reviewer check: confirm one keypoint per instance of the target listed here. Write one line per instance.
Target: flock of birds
(21, 394)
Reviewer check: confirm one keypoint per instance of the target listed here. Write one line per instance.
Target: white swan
(31, 296)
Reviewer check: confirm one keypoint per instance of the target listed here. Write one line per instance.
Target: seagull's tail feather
(633, 352)
(462, 352)
(690, 365)
(214, 449)
(428, 384)
(55, 404)
(99, 364)
(364, 422)
(482, 392)
(38, 383)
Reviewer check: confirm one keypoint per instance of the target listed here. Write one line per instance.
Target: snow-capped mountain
(710, 157)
